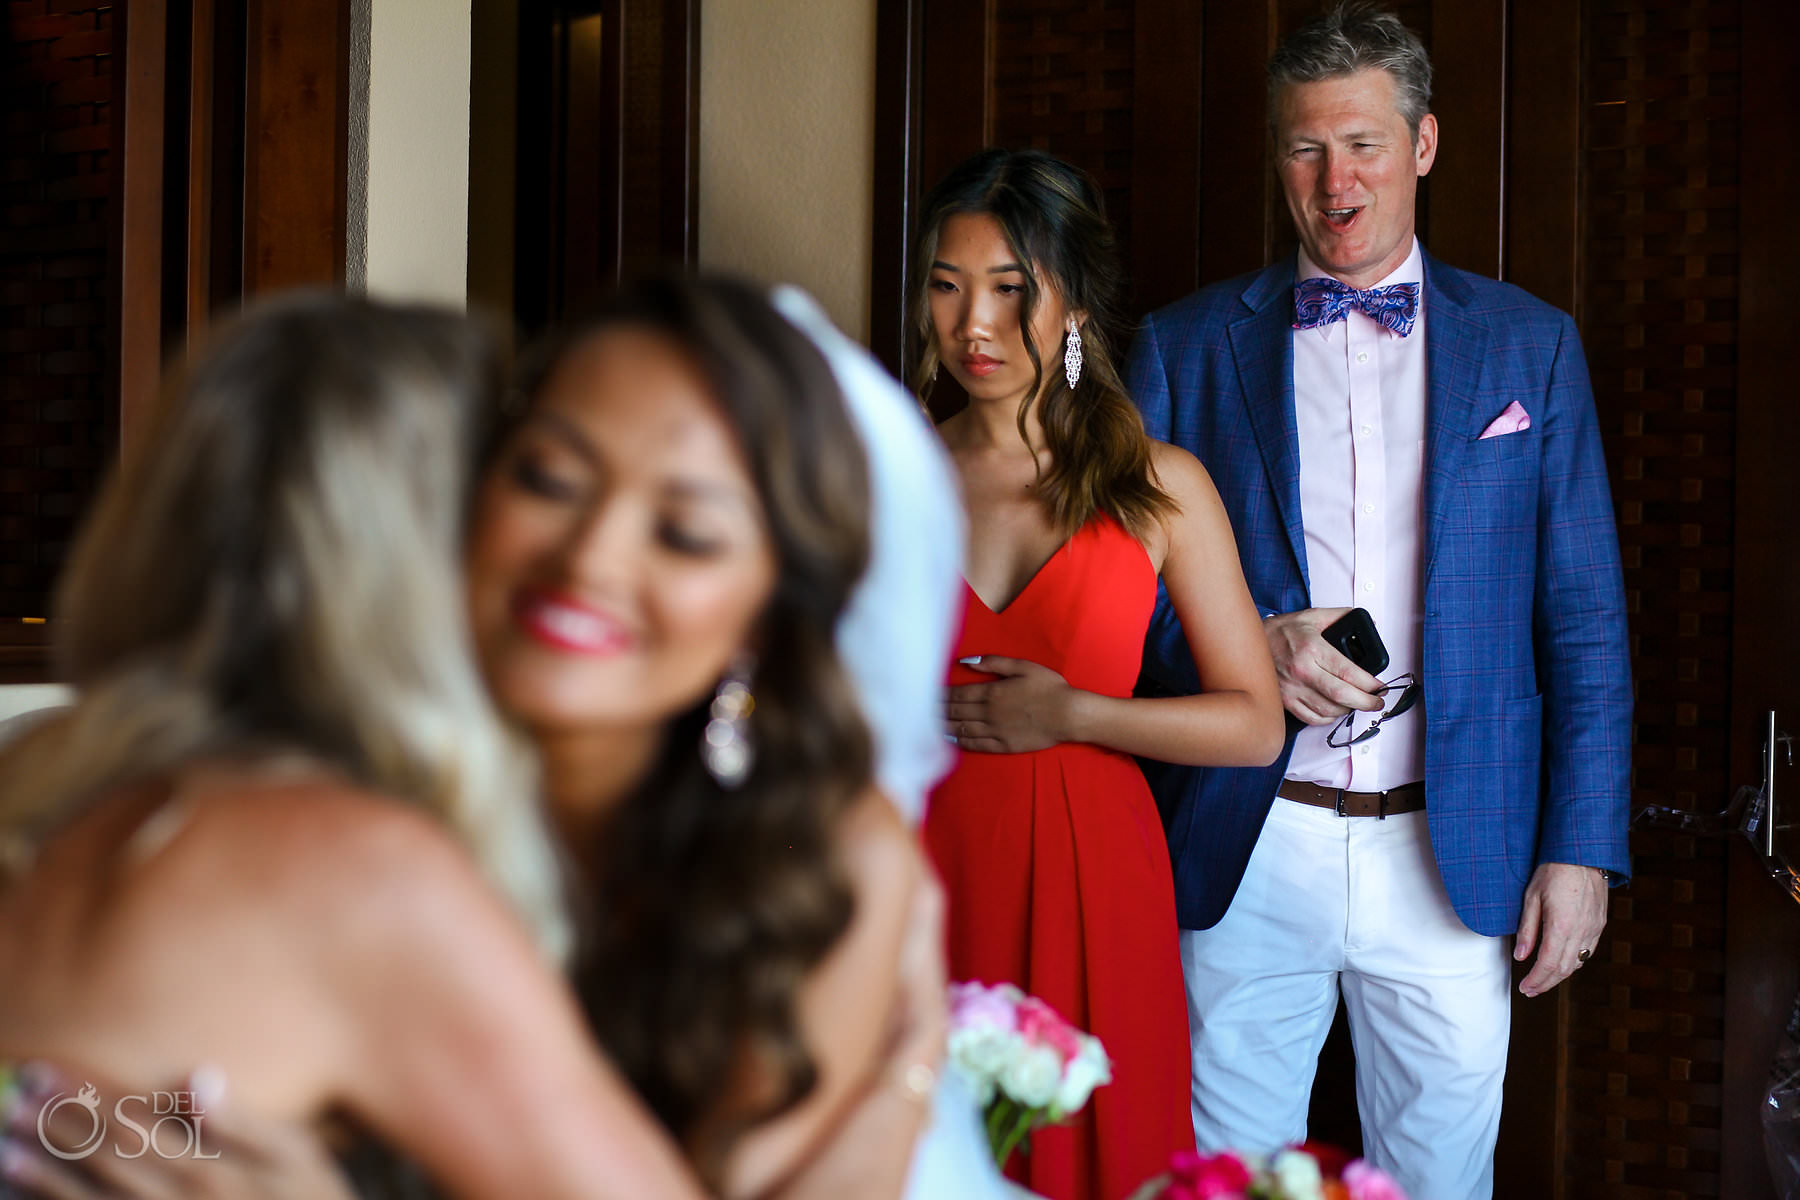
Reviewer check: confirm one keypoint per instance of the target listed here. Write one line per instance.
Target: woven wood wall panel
(54, 285)
(1659, 320)
(1063, 83)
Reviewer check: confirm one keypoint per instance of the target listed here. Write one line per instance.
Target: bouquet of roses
(1306, 1172)
(1026, 1065)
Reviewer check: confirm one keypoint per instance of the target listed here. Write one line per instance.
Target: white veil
(895, 639)
(896, 636)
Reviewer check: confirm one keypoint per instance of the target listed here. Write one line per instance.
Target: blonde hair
(275, 569)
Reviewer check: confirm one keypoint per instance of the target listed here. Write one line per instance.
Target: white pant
(1357, 902)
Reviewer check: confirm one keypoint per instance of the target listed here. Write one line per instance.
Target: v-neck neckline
(1029, 583)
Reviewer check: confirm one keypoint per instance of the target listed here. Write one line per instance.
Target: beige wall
(408, 214)
(787, 133)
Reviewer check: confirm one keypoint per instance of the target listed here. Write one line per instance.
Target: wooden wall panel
(607, 149)
(1237, 199)
(1762, 933)
(1468, 46)
(295, 144)
(57, 293)
(1659, 300)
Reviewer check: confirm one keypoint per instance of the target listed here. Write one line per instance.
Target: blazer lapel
(1262, 346)
(1455, 349)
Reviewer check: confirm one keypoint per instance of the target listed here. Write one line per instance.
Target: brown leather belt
(1407, 798)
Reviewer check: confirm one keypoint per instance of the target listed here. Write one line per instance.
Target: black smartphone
(1353, 635)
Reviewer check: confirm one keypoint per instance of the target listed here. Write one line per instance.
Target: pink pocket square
(1512, 420)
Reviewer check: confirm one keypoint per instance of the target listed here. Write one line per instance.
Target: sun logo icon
(87, 1098)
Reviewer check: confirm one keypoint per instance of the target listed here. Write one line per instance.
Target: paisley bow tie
(1321, 301)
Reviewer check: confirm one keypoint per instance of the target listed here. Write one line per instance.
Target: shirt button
(1368, 508)
(1369, 586)
(1363, 357)
(1364, 750)
(1367, 430)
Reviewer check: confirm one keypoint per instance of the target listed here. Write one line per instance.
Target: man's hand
(1025, 709)
(1565, 910)
(1318, 685)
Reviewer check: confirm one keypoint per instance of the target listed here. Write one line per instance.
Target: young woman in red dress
(1048, 841)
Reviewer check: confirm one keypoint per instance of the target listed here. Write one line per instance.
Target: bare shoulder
(1179, 473)
(313, 840)
(878, 848)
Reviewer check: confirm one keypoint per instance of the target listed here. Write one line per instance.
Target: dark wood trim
(25, 655)
(681, 131)
(1165, 154)
(141, 213)
(1468, 186)
(956, 85)
(1236, 180)
(200, 150)
(1543, 168)
(899, 33)
(1762, 933)
(296, 143)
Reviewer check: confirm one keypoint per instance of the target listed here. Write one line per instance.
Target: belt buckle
(1339, 806)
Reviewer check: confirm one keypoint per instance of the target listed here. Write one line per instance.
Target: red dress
(1058, 875)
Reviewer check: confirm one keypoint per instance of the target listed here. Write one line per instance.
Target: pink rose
(1370, 1183)
(1039, 1023)
(1212, 1177)
(975, 1006)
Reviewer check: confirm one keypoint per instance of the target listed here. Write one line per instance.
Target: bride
(619, 596)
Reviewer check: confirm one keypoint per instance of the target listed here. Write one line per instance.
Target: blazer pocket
(1504, 447)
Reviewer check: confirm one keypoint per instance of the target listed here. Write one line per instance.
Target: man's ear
(1425, 145)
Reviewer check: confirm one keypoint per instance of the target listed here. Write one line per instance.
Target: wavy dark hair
(709, 907)
(1054, 219)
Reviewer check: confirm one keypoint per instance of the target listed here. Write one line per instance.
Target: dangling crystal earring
(725, 747)
(1072, 355)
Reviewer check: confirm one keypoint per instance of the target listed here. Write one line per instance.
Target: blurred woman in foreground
(282, 833)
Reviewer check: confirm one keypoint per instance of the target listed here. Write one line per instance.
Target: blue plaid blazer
(1527, 678)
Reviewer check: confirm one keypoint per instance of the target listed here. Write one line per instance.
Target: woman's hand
(1028, 708)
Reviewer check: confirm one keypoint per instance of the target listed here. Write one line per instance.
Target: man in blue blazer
(1394, 434)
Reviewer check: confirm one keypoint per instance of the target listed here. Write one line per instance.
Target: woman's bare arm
(848, 1006)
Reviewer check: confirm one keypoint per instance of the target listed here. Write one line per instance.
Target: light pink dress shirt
(1359, 401)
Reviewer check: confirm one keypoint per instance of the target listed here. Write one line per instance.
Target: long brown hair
(710, 907)
(1054, 220)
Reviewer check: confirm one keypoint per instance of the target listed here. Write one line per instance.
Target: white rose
(1032, 1076)
(981, 1053)
(1085, 1072)
(1297, 1175)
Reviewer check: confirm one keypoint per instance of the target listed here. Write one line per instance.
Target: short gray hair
(1355, 36)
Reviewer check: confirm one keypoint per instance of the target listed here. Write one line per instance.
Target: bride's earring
(1072, 355)
(726, 748)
